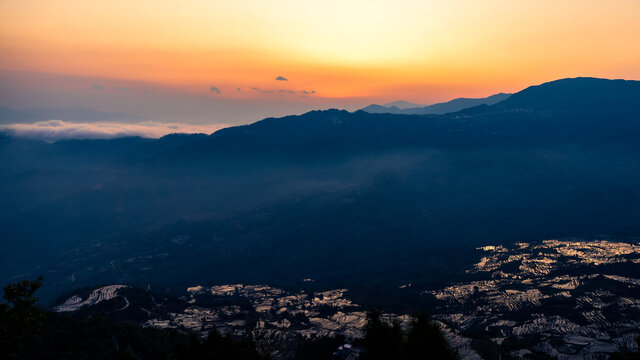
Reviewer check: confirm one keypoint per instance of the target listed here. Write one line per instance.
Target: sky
(234, 62)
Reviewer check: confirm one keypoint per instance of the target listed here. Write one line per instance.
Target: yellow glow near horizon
(341, 48)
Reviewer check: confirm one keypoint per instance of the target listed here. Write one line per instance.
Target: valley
(564, 299)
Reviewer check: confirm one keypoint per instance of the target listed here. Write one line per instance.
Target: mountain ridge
(435, 109)
(582, 94)
(320, 194)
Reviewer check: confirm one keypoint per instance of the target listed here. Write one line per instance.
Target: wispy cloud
(97, 87)
(214, 90)
(264, 91)
(281, 92)
(53, 130)
(281, 78)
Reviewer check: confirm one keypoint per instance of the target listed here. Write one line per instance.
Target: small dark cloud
(264, 91)
(281, 78)
(120, 88)
(305, 92)
(214, 90)
(97, 87)
(238, 89)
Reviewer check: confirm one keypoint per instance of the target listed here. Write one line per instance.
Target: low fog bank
(54, 130)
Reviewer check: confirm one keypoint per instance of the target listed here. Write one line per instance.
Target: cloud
(53, 130)
(281, 78)
(97, 87)
(263, 91)
(214, 89)
(124, 89)
(282, 92)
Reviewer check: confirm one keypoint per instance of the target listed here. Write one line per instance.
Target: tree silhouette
(382, 340)
(218, 346)
(426, 341)
(422, 340)
(20, 316)
(628, 355)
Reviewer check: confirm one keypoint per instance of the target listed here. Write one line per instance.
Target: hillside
(323, 194)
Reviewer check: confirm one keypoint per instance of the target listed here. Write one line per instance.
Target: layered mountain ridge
(324, 194)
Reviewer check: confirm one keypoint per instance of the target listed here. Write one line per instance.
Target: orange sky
(423, 51)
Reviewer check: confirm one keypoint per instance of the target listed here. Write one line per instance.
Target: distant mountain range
(401, 104)
(30, 115)
(344, 198)
(407, 108)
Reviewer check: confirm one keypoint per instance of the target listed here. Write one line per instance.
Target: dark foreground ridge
(30, 333)
(556, 298)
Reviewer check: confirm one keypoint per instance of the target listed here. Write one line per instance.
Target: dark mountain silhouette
(319, 134)
(437, 109)
(578, 95)
(324, 194)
